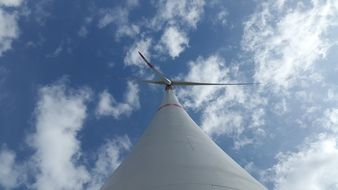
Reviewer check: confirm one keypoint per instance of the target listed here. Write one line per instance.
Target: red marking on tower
(167, 105)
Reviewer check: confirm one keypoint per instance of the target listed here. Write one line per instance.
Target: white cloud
(330, 119)
(10, 3)
(83, 31)
(108, 159)
(242, 141)
(178, 12)
(108, 106)
(120, 17)
(332, 94)
(217, 121)
(287, 41)
(8, 24)
(41, 11)
(312, 167)
(257, 118)
(60, 114)
(130, 30)
(173, 41)
(56, 52)
(8, 30)
(280, 107)
(132, 57)
(110, 16)
(222, 17)
(11, 175)
(177, 17)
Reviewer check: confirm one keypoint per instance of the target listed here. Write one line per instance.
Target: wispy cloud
(178, 18)
(41, 11)
(222, 17)
(312, 164)
(56, 52)
(330, 120)
(83, 31)
(173, 42)
(108, 159)
(108, 106)
(10, 3)
(9, 29)
(288, 38)
(119, 16)
(12, 174)
(176, 12)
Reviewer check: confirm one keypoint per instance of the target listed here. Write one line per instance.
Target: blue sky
(67, 121)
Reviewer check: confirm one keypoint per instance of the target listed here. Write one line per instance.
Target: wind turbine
(175, 154)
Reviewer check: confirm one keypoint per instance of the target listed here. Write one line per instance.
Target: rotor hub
(168, 87)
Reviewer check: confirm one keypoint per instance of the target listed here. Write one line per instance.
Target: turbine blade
(152, 81)
(156, 71)
(141, 80)
(188, 83)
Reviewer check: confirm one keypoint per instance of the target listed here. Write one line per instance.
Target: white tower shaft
(175, 154)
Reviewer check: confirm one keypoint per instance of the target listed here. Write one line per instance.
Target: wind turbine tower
(175, 154)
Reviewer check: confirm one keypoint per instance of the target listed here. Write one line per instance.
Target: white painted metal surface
(175, 154)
